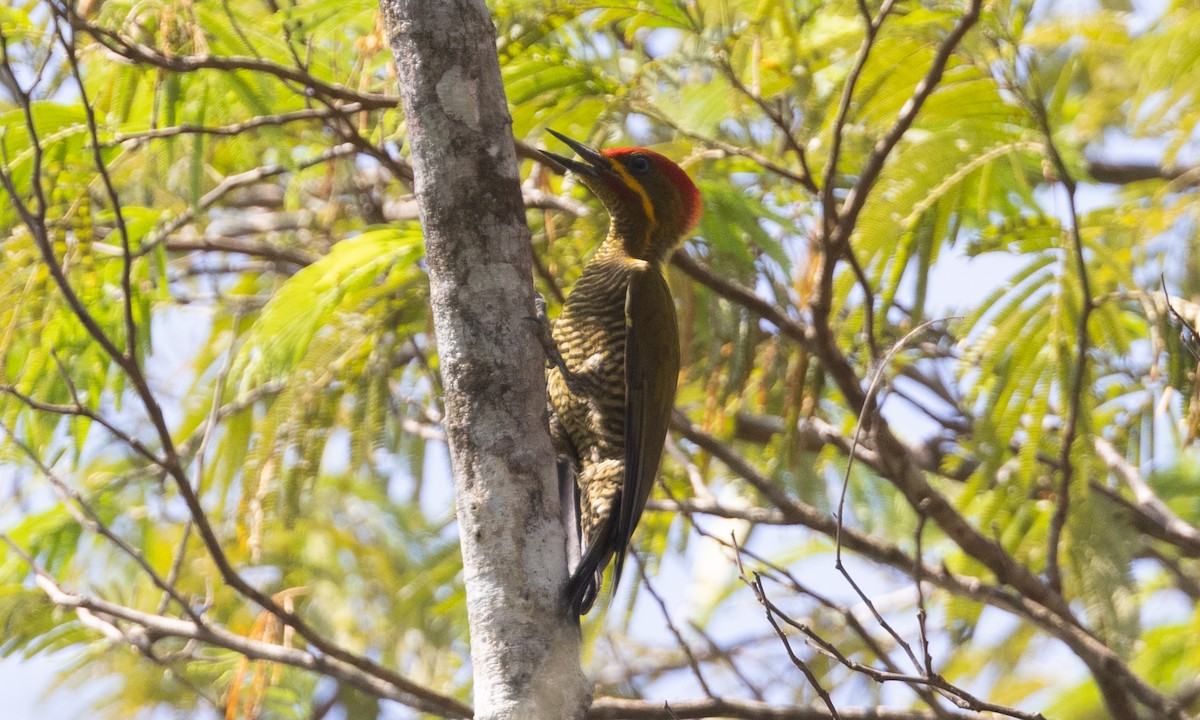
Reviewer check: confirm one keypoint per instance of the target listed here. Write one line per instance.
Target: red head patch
(692, 206)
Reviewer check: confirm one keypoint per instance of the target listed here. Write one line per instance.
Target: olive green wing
(651, 374)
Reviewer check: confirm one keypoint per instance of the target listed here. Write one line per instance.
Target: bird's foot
(554, 358)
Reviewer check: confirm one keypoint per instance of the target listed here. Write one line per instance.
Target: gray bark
(524, 643)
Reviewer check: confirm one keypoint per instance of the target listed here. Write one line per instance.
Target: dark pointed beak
(596, 163)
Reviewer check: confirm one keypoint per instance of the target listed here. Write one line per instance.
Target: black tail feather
(588, 576)
(568, 498)
(584, 585)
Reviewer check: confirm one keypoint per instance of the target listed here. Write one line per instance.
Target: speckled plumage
(619, 341)
(590, 429)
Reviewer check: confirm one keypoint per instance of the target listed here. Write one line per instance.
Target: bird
(612, 390)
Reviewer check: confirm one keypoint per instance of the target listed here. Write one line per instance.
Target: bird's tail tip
(582, 590)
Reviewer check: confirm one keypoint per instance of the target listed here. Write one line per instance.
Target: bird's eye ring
(639, 163)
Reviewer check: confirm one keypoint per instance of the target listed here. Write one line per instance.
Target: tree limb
(524, 640)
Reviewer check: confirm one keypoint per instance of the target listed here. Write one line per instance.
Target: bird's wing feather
(651, 374)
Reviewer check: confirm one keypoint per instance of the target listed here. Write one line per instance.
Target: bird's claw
(554, 358)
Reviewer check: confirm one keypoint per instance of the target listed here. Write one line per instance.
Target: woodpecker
(619, 346)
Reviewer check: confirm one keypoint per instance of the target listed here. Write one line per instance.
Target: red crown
(692, 206)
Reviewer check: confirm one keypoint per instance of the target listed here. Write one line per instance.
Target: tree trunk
(524, 644)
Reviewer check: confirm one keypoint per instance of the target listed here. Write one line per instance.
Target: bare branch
(244, 246)
(1033, 101)
(623, 709)
(679, 640)
(233, 182)
(86, 516)
(856, 198)
(136, 139)
(804, 177)
(143, 54)
(872, 25)
(744, 296)
(761, 595)
(1182, 532)
(964, 699)
(113, 199)
(1052, 616)
(1123, 173)
(800, 178)
(151, 627)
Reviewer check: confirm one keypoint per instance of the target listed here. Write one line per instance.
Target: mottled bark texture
(524, 644)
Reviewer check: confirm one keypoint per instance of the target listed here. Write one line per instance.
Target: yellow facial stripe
(636, 186)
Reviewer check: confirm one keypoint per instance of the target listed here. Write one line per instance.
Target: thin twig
(841, 517)
(232, 182)
(86, 516)
(866, 407)
(785, 577)
(150, 627)
(922, 615)
(110, 189)
(727, 656)
(760, 594)
(140, 137)
(679, 640)
(962, 698)
(1071, 423)
(146, 55)
(746, 297)
(805, 176)
(856, 197)
(759, 159)
(828, 200)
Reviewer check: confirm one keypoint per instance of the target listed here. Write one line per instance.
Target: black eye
(639, 163)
